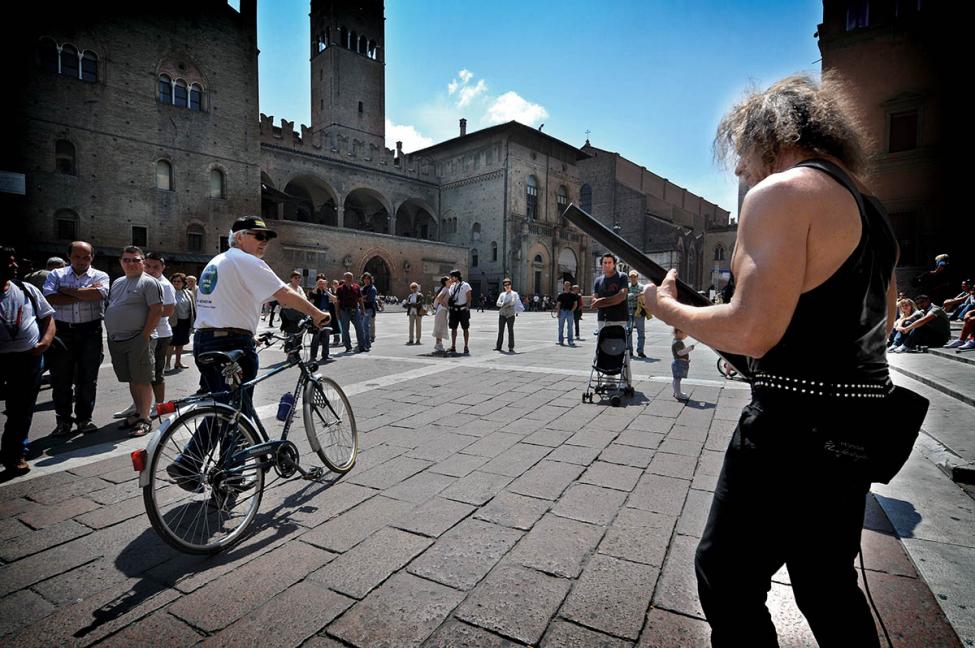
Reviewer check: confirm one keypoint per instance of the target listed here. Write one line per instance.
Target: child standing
(681, 363)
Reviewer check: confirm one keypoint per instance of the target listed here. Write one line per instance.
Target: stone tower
(348, 87)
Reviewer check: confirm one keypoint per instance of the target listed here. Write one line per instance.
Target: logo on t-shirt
(208, 280)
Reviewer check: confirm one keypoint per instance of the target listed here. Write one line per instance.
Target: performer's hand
(653, 295)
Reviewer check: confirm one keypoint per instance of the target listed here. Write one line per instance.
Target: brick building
(898, 57)
(675, 227)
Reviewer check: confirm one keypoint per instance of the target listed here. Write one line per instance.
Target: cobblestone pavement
(489, 507)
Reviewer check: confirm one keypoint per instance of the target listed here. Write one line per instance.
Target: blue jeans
(74, 371)
(367, 316)
(638, 324)
(959, 313)
(566, 320)
(203, 341)
(352, 316)
(20, 378)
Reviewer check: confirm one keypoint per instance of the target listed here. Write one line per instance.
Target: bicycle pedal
(314, 473)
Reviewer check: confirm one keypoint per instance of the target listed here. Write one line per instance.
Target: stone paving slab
(521, 517)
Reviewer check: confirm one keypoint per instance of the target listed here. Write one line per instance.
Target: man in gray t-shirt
(131, 315)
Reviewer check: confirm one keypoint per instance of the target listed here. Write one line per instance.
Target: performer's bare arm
(769, 266)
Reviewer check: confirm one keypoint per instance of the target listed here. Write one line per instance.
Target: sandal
(130, 422)
(141, 428)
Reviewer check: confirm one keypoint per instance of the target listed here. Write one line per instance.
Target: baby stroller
(611, 365)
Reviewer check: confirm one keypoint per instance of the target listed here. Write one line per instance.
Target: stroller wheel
(615, 401)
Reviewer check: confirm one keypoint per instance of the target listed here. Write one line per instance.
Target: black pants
(20, 375)
(778, 502)
(510, 322)
(74, 370)
(320, 339)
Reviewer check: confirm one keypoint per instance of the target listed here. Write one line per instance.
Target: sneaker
(967, 346)
(63, 428)
(129, 411)
(641, 354)
(899, 349)
(466, 351)
(682, 397)
(185, 476)
(87, 427)
(497, 348)
(16, 469)
(954, 344)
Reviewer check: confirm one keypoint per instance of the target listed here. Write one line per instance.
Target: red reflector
(139, 460)
(165, 408)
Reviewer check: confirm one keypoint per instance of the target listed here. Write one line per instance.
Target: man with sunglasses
(232, 289)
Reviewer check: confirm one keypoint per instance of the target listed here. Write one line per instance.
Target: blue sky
(650, 80)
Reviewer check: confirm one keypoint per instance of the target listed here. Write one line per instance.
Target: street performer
(809, 242)
(232, 289)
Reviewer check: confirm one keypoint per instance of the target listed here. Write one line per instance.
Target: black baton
(645, 266)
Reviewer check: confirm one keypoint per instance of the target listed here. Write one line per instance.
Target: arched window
(89, 67)
(70, 62)
(372, 50)
(362, 45)
(562, 199)
(476, 232)
(343, 37)
(353, 41)
(719, 252)
(66, 225)
(196, 97)
(195, 238)
(164, 175)
(585, 198)
(47, 55)
(180, 94)
(165, 89)
(531, 198)
(538, 259)
(64, 157)
(218, 187)
(494, 250)
(474, 258)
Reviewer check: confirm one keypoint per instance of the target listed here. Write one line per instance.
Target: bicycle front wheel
(330, 424)
(196, 500)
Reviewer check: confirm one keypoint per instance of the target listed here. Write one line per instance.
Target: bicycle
(202, 473)
(727, 371)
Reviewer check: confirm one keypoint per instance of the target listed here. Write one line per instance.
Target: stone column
(340, 215)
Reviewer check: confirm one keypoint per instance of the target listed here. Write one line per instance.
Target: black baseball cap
(252, 223)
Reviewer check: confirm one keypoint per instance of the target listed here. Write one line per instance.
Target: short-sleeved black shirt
(607, 287)
(567, 300)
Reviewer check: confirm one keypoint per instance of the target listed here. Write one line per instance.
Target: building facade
(897, 57)
(133, 126)
(675, 227)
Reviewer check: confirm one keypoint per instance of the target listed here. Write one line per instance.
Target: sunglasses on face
(260, 236)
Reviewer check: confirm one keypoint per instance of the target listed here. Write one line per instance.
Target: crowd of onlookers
(921, 323)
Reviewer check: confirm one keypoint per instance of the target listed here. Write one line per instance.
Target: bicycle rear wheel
(195, 501)
(330, 424)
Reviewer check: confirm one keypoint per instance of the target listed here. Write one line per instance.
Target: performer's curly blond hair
(798, 113)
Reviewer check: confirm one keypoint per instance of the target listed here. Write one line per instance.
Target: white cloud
(511, 106)
(452, 87)
(412, 139)
(469, 93)
(465, 76)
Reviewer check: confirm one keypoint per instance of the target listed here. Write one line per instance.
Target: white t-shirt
(163, 329)
(232, 289)
(461, 293)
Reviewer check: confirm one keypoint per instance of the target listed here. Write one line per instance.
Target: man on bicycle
(232, 289)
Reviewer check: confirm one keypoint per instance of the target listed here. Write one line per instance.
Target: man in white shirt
(155, 265)
(78, 294)
(231, 290)
(26, 332)
(459, 303)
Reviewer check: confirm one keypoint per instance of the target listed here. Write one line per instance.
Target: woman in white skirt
(440, 315)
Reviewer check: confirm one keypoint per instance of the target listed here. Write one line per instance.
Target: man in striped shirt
(78, 294)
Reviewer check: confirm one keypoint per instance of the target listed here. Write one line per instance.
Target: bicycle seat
(219, 358)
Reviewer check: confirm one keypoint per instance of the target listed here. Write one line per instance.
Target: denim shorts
(679, 368)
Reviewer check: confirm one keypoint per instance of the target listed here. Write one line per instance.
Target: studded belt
(794, 386)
